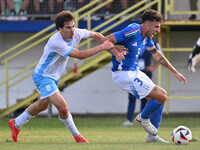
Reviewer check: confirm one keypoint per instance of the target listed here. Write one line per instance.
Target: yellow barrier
(77, 19)
(166, 26)
(169, 9)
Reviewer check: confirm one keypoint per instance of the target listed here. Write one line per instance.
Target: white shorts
(135, 82)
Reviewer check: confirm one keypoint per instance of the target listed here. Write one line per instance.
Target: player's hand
(107, 45)
(120, 48)
(122, 51)
(181, 78)
(120, 56)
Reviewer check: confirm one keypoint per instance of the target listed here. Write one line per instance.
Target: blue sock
(150, 108)
(156, 118)
(131, 107)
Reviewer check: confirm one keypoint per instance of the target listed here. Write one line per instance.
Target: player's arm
(158, 56)
(152, 67)
(118, 51)
(97, 36)
(90, 52)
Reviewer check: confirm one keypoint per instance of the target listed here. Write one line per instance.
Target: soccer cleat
(127, 123)
(146, 124)
(80, 139)
(14, 130)
(155, 139)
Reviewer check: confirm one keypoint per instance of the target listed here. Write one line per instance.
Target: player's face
(68, 30)
(153, 29)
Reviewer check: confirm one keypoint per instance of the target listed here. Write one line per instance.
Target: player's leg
(156, 117)
(28, 114)
(139, 84)
(130, 111)
(194, 56)
(156, 120)
(143, 104)
(66, 117)
(159, 97)
(155, 111)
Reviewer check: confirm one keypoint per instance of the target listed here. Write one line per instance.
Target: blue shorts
(46, 86)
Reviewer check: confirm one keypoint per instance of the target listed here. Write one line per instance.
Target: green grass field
(102, 133)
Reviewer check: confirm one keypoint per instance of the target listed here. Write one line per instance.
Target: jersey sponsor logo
(135, 44)
(131, 33)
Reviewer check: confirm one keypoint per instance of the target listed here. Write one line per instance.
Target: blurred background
(25, 27)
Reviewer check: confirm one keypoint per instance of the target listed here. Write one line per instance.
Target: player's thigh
(158, 94)
(58, 101)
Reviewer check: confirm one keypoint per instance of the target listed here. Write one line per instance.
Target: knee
(64, 112)
(42, 105)
(163, 96)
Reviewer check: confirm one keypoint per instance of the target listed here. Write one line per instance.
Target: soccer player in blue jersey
(127, 76)
(144, 64)
(52, 64)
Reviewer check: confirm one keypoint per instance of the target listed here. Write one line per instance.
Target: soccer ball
(181, 135)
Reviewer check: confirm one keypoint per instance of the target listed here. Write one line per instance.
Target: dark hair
(63, 16)
(151, 15)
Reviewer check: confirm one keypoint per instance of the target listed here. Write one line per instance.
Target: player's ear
(59, 28)
(147, 24)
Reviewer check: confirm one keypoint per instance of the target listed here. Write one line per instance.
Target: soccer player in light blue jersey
(127, 76)
(52, 64)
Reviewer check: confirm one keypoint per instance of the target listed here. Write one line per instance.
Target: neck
(65, 38)
(143, 30)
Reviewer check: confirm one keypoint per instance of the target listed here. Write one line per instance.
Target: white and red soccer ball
(181, 135)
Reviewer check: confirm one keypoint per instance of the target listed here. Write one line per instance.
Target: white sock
(23, 119)
(69, 123)
(149, 135)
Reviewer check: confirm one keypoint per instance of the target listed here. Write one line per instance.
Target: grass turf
(102, 133)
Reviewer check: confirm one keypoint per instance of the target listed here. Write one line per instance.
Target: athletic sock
(23, 119)
(131, 107)
(69, 123)
(156, 118)
(150, 108)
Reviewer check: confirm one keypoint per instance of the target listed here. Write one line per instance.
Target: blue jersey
(131, 38)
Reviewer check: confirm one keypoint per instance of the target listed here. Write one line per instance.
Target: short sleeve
(62, 48)
(120, 35)
(83, 33)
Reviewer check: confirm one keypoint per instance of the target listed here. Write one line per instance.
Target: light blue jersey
(55, 56)
(131, 38)
(54, 60)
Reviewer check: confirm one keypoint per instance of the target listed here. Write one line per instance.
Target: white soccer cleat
(155, 139)
(146, 124)
(127, 123)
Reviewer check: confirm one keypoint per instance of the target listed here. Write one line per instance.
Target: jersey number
(138, 80)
